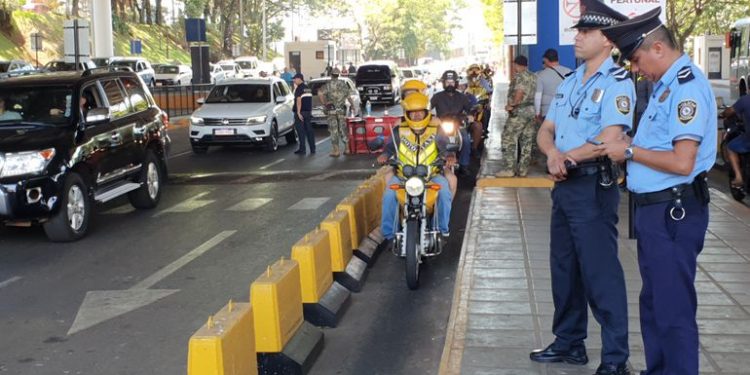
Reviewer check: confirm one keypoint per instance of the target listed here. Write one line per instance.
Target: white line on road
(180, 154)
(272, 164)
(188, 205)
(322, 140)
(10, 281)
(185, 259)
(323, 176)
(309, 203)
(250, 204)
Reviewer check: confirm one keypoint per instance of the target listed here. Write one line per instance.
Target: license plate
(225, 131)
(373, 98)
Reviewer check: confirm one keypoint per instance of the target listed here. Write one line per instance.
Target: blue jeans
(464, 157)
(389, 216)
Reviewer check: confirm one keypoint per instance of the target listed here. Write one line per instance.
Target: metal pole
(242, 26)
(520, 28)
(76, 42)
(264, 29)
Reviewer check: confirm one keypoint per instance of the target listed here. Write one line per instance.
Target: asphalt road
(126, 299)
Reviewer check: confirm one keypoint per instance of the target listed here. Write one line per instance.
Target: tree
(686, 18)
(493, 16)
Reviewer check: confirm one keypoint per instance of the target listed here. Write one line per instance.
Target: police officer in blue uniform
(593, 104)
(674, 146)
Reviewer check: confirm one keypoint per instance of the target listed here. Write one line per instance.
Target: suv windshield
(245, 64)
(240, 94)
(373, 73)
(51, 105)
(167, 69)
(228, 67)
(407, 73)
(316, 85)
(129, 64)
(60, 66)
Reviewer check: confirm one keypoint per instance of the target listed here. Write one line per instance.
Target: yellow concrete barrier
(354, 205)
(313, 254)
(372, 210)
(339, 234)
(226, 344)
(277, 305)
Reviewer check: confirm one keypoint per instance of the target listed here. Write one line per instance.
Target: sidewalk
(502, 306)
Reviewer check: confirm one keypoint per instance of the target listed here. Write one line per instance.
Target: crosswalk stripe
(188, 205)
(250, 204)
(309, 203)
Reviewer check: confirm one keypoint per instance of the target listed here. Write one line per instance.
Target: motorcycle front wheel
(412, 254)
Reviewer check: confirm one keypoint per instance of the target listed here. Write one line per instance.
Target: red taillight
(394, 187)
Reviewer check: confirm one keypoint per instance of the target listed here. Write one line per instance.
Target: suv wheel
(199, 149)
(72, 219)
(272, 141)
(152, 180)
(291, 137)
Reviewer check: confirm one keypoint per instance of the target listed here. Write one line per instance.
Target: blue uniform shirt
(582, 110)
(682, 106)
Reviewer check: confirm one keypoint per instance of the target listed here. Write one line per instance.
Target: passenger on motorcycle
(419, 130)
(411, 86)
(740, 144)
(451, 102)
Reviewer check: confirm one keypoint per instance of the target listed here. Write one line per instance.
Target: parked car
(62, 66)
(167, 75)
(139, 65)
(249, 66)
(12, 66)
(231, 69)
(102, 62)
(75, 139)
(318, 113)
(379, 82)
(244, 111)
(217, 74)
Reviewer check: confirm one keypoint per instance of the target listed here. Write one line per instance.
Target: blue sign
(136, 47)
(195, 30)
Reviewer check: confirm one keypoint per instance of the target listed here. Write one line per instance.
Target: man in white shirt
(546, 85)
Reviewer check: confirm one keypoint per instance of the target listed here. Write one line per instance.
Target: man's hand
(614, 149)
(383, 158)
(450, 161)
(556, 165)
(299, 115)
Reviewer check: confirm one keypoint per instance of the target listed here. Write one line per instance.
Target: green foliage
(493, 16)
(686, 18)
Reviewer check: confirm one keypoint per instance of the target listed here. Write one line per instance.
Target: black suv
(69, 139)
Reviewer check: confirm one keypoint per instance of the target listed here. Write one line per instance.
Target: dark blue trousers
(667, 255)
(585, 268)
(304, 130)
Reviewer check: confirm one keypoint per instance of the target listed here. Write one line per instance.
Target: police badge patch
(623, 104)
(686, 111)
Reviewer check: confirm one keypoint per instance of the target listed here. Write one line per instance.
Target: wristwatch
(629, 153)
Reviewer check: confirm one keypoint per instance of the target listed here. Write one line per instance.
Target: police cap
(595, 15)
(629, 35)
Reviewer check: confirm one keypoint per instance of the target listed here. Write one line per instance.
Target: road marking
(250, 204)
(271, 164)
(101, 305)
(188, 205)
(309, 203)
(323, 176)
(322, 140)
(185, 259)
(10, 281)
(180, 154)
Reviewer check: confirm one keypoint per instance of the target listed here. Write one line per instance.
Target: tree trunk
(74, 10)
(147, 10)
(157, 13)
(227, 23)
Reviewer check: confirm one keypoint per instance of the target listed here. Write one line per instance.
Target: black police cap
(629, 35)
(595, 15)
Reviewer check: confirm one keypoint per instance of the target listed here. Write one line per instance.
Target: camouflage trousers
(338, 130)
(518, 138)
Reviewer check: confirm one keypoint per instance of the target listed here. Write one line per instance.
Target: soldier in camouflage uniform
(333, 96)
(519, 133)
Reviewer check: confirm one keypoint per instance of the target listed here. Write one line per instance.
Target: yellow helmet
(474, 70)
(414, 84)
(416, 102)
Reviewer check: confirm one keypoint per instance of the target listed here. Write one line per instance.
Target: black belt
(583, 170)
(666, 195)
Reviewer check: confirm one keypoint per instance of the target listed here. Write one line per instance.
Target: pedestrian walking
(303, 114)
(591, 105)
(334, 96)
(673, 148)
(547, 81)
(518, 133)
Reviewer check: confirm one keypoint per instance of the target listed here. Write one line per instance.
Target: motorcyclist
(740, 144)
(419, 130)
(451, 102)
(411, 86)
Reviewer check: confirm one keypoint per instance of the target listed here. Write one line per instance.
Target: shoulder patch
(623, 104)
(619, 73)
(686, 111)
(685, 75)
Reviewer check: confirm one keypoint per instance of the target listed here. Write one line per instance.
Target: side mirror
(200, 101)
(280, 99)
(98, 115)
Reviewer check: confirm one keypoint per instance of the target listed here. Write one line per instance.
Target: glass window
(277, 90)
(240, 94)
(168, 69)
(118, 106)
(745, 41)
(285, 88)
(48, 105)
(373, 73)
(135, 93)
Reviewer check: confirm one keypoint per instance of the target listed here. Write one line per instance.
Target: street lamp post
(242, 26)
(263, 39)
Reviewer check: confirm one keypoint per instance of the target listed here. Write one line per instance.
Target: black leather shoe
(613, 369)
(574, 356)
(300, 152)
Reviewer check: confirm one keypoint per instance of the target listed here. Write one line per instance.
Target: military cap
(595, 15)
(629, 35)
(335, 72)
(521, 60)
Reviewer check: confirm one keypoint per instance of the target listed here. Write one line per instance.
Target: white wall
(701, 46)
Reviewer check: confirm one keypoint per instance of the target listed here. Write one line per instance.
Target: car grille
(225, 121)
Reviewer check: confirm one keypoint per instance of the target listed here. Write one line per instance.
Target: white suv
(246, 111)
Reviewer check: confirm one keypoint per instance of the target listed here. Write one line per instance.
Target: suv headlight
(257, 120)
(196, 120)
(387, 87)
(27, 162)
(414, 186)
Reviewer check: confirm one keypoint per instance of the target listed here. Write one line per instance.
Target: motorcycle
(734, 128)
(417, 235)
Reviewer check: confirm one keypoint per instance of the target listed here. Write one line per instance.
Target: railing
(180, 100)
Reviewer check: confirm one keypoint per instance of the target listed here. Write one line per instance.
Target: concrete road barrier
(285, 343)
(324, 300)
(347, 270)
(354, 205)
(225, 345)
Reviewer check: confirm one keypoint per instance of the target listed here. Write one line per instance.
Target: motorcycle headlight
(196, 120)
(257, 120)
(414, 186)
(448, 127)
(23, 163)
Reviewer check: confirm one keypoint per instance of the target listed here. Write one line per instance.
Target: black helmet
(449, 74)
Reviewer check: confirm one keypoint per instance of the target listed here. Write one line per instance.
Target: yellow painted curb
(516, 182)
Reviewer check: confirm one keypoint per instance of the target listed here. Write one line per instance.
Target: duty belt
(602, 167)
(675, 194)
